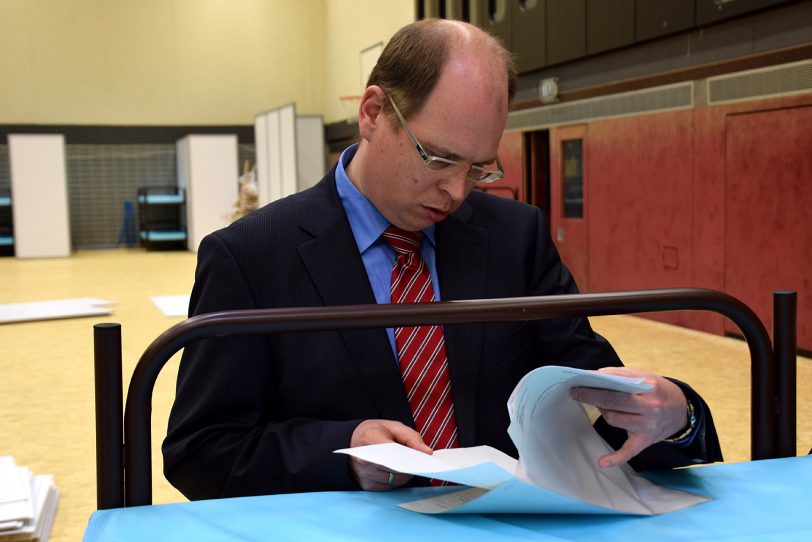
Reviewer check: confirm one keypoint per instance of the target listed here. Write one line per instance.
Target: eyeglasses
(476, 173)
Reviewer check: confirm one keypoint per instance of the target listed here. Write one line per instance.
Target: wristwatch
(683, 435)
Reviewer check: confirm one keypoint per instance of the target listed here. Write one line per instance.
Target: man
(263, 414)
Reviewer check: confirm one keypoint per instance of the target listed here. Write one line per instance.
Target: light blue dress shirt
(367, 224)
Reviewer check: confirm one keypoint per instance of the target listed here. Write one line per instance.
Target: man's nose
(456, 184)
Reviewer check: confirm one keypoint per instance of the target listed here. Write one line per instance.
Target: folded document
(557, 470)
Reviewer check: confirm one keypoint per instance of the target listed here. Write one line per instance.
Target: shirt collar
(366, 221)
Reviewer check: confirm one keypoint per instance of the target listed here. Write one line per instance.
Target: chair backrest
(124, 473)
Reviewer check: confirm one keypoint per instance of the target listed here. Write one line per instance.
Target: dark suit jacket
(263, 414)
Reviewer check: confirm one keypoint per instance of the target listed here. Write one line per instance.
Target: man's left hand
(648, 417)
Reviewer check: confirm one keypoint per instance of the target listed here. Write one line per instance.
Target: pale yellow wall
(352, 26)
(165, 62)
(158, 61)
(183, 61)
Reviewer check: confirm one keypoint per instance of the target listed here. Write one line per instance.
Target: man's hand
(370, 476)
(648, 417)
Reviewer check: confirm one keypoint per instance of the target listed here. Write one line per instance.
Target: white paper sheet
(27, 503)
(171, 305)
(55, 309)
(44, 498)
(15, 493)
(557, 471)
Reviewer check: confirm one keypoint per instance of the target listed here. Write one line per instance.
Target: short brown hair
(411, 63)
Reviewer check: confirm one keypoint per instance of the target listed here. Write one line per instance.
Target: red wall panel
(708, 210)
(667, 199)
(768, 208)
(640, 203)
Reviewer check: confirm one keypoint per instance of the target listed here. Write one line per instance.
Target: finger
(411, 438)
(623, 371)
(371, 477)
(394, 480)
(633, 446)
(382, 431)
(403, 434)
(365, 474)
(376, 432)
(383, 480)
(605, 399)
(633, 423)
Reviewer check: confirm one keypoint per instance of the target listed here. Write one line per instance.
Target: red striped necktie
(421, 350)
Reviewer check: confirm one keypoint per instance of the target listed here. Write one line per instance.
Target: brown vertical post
(785, 352)
(109, 419)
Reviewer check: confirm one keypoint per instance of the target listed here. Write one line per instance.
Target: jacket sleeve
(224, 437)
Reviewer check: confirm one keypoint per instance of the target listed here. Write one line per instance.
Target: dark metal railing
(785, 350)
(109, 404)
(135, 476)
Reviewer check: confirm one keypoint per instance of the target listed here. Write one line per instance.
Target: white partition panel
(276, 153)
(274, 156)
(287, 148)
(263, 163)
(311, 154)
(39, 195)
(208, 170)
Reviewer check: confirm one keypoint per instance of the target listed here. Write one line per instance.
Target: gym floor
(47, 403)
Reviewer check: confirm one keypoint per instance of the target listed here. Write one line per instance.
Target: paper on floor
(55, 309)
(171, 305)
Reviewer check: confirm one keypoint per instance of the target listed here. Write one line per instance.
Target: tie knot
(404, 242)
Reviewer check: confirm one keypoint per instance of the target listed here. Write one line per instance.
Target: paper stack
(27, 503)
(557, 471)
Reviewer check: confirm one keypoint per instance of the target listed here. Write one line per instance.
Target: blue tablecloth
(755, 501)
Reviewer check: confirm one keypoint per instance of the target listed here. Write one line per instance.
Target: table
(753, 501)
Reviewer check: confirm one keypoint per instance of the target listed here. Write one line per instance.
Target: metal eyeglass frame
(435, 163)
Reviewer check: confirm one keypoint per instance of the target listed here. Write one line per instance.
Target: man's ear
(369, 111)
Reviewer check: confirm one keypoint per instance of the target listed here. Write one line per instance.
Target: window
(573, 178)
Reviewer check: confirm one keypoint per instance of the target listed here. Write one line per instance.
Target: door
(768, 197)
(568, 197)
(537, 163)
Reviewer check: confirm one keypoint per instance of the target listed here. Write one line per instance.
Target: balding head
(413, 60)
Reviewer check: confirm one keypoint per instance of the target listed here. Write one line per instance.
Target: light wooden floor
(47, 402)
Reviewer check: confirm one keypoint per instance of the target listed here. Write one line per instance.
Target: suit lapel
(335, 266)
(461, 269)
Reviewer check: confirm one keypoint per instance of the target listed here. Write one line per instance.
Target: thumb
(633, 446)
(409, 437)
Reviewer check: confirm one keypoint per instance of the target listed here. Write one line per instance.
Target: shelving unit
(6, 224)
(162, 217)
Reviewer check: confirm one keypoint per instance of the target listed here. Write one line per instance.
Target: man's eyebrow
(489, 161)
(442, 151)
(438, 150)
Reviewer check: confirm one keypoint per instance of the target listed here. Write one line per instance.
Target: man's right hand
(372, 477)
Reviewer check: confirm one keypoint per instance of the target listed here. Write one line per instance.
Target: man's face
(463, 120)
